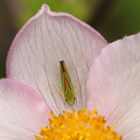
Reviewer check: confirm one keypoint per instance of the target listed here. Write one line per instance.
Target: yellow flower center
(77, 125)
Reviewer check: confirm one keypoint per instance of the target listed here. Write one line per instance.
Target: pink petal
(114, 86)
(22, 111)
(45, 40)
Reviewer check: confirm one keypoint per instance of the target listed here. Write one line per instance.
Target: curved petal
(114, 86)
(22, 111)
(44, 41)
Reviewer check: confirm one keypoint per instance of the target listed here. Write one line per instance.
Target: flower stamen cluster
(78, 125)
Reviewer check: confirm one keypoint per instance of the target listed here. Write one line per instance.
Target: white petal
(45, 40)
(114, 86)
(22, 111)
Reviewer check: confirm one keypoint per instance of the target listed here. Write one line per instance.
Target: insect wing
(67, 85)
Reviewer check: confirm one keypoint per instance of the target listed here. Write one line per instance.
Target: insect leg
(61, 93)
(78, 86)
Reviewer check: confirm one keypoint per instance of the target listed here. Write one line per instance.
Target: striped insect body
(66, 83)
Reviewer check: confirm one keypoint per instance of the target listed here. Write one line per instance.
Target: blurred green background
(112, 18)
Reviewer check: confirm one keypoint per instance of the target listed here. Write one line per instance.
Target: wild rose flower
(110, 87)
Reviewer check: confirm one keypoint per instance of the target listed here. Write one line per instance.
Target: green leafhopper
(67, 86)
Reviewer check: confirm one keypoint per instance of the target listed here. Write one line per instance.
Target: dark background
(112, 18)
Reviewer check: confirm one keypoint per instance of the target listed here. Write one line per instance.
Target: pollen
(78, 125)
